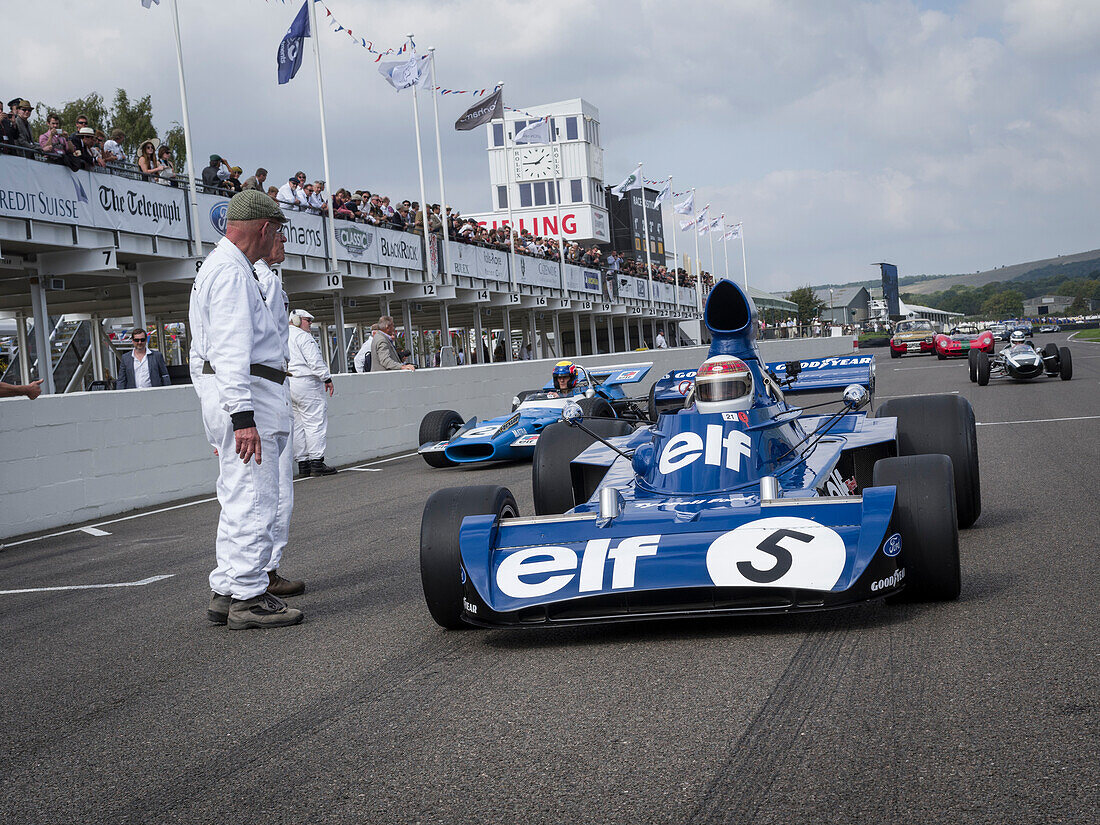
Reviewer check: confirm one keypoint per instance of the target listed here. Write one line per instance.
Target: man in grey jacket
(383, 351)
(142, 367)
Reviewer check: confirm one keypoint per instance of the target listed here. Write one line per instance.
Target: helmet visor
(723, 388)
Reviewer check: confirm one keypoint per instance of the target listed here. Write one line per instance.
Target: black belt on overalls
(272, 374)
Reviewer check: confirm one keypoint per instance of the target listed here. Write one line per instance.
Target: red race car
(961, 340)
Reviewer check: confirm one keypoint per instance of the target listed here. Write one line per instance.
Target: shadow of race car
(739, 504)
(1021, 362)
(447, 440)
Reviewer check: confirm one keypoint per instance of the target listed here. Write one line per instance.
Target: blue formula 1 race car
(738, 504)
(669, 392)
(447, 440)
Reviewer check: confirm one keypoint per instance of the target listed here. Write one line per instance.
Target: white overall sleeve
(230, 335)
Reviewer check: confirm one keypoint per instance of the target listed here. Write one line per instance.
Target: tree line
(1080, 281)
(133, 117)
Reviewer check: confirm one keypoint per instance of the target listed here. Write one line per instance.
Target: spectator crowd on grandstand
(88, 147)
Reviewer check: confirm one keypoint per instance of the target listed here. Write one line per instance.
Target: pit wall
(69, 459)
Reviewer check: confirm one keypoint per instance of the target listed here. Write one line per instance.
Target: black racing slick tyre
(943, 425)
(926, 519)
(438, 425)
(440, 561)
(651, 408)
(983, 369)
(1065, 364)
(559, 444)
(972, 363)
(595, 408)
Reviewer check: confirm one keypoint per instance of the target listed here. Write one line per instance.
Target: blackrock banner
(50, 192)
(305, 233)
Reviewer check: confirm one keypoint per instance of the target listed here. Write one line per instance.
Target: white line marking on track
(915, 395)
(365, 469)
(149, 580)
(1037, 420)
(908, 369)
(164, 510)
(94, 531)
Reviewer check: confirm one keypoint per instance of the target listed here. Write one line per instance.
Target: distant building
(844, 305)
(1047, 305)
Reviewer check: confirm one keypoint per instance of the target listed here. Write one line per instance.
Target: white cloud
(841, 133)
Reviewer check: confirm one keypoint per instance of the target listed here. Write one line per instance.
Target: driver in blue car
(723, 384)
(565, 377)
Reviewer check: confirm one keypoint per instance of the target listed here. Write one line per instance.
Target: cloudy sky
(943, 136)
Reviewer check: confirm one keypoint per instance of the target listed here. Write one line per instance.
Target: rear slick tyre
(972, 362)
(1065, 364)
(983, 369)
(441, 575)
(944, 425)
(926, 519)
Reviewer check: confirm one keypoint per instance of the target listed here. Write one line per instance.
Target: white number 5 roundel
(777, 552)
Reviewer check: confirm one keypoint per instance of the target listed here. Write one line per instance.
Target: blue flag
(290, 50)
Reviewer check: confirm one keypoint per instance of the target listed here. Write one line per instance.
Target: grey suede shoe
(278, 586)
(262, 611)
(218, 611)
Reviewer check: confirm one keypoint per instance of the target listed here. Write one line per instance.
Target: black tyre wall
(942, 424)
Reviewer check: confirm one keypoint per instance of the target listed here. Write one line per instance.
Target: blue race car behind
(447, 440)
(759, 510)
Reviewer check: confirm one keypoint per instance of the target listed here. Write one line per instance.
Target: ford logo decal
(217, 216)
(892, 545)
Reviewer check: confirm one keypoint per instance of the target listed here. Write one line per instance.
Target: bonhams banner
(305, 233)
(50, 192)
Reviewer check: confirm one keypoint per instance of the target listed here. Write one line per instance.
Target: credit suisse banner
(306, 235)
(51, 192)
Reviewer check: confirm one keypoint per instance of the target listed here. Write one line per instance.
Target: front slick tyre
(925, 512)
(438, 425)
(1065, 364)
(440, 560)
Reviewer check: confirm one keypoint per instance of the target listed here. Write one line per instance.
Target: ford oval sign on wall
(217, 216)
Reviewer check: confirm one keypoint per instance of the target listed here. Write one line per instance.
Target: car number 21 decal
(777, 552)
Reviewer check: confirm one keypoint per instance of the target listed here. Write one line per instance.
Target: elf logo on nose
(687, 448)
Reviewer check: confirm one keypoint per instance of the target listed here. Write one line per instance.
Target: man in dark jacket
(143, 367)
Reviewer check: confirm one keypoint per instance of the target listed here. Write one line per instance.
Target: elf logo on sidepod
(539, 571)
(688, 447)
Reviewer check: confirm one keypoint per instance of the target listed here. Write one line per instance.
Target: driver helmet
(723, 384)
(565, 376)
(1017, 337)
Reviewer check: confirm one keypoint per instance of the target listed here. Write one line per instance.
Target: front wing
(681, 558)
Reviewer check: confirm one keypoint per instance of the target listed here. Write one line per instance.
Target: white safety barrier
(84, 456)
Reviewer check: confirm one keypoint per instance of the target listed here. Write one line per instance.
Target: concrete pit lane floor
(124, 705)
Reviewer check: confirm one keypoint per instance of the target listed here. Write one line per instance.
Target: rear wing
(816, 375)
(612, 375)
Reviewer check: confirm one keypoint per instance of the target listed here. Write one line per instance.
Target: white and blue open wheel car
(761, 509)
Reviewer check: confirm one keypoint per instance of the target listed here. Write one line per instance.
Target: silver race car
(1020, 361)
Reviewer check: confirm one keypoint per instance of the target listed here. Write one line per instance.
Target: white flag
(664, 194)
(402, 74)
(633, 181)
(701, 220)
(537, 131)
(719, 223)
(149, 3)
(686, 225)
(735, 232)
(687, 207)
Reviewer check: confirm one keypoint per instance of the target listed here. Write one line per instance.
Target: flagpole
(675, 254)
(710, 237)
(726, 252)
(439, 160)
(324, 141)
(192, 194)
(557, 204)
(420, 161)
(698, 263)
(743, 262)
(645, 223)
(508, 199)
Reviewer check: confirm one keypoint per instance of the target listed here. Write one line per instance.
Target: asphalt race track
(124, 705)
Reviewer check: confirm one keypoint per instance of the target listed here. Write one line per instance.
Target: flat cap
(253, 205)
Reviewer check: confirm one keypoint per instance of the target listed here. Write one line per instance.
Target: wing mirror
(589, 393)
(572, 413)
(856, 396)
(793, 368)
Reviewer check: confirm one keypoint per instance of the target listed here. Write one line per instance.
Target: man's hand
(33, 389)
(330, 388)
(248, 444)
(408, 366)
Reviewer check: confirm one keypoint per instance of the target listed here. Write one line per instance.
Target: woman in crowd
(167, 167)
(147, 159)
